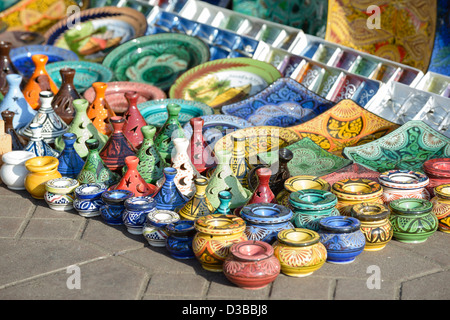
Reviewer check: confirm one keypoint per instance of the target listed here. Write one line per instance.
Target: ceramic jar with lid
(59, 193)
(216, 233)
(299, 251)
(179, 242)
(114, 205)
(342, 237)
(41, 169)
(413, 220)
(353, 191)
(398, 184)
(88, 199)
(298, 183)
(13, 170)
(375, 224)
(136, 211)
(438, 171)
(251, 265)
(441, 206)
(265, 220)
(155, 226)
(310, 206)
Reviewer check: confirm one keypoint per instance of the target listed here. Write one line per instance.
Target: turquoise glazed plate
(157, 59)
(86, 73)
(155, 111)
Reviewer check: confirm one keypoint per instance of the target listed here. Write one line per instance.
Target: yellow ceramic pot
(298, 183)
(41, 169)
(441, 206)
(299, 251)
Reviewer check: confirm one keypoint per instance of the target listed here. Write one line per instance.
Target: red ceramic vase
(202, 157)
(133, 181)
(263, 193)
(438, 171)
(134, 120)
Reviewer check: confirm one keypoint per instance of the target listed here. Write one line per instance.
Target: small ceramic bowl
(154, 229)
(59, 193)
(88, 199)
(179, 242)
(136, 211)
(114, 205)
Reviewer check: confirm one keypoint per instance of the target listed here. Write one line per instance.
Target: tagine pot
(13, 170)
(63, 101)
(133, 181)
(399, 184)
(37, 145)
(41, 169)
(136, 211)
(70, 162)
(238, 161)
(114, 205)
(179, 242)
(199, 204)
(99, 111)
(6, 65)
(168, 196)
(186, 171)
(134, 121)
(170, 130)
(59, 193)
(88, 199)
(155, 226)
(441, 206)
(200, 153)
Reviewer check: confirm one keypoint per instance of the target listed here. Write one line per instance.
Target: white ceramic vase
(13, 171)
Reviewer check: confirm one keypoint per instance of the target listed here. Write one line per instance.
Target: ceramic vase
(169, 197)
(133, 181)
(134, 121)
(413, 220)
(63, 101)
(375, 224)
(135, 213)
(117, 148)
(179, 242)
(438, 172)
(155, 226)
(262, 192)
(13, 171)
(399, 184)
(186, 172)
(200, 153)
(170, 130)
(238, 162)
(70, 162)
(198, 205)
(353, 191)
(216, 233)
(114, 206)
(99, 111)
(224, 203)
(88, 199)
(265, 220)
(6, 66)
(310, 206)
(39, 81)
(441, 206)
(299, 251)
(94, 169)
(41, 169)
(15, 101)
(52, 125)
(59, 193)
(37, 145)
(298, 183)
(18, 142)
(342, 237)
(82, 126)
(251, 265)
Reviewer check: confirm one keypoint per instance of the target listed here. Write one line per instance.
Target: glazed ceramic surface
(441, 206)
(113, 207)
(62, 103)
(134, 121)
(59, 193)
(437, 171)
(169, 197)
(18, 142)
(352, 171)
(398, 184)
(37, 145)
(136, 212)
(88, 199)
(99, 111)
(133, 181)
(13, 170)
(41, 169)
(199, 204)
(179, 242)
(155, 226)
(70, 162)
(297, 183)
(157, 59)
(199, 151)
(6, 65)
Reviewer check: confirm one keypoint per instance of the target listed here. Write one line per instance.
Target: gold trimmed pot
(441, 206)
(297, 183)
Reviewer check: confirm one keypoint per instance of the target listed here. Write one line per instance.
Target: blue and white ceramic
(136, 211)
(342, 237)
(169, 196)
(179, 242)
(59, 194)
(114, 205)
(155, 226)
(37, 145)
(88, 199)
(265, 220)
(70, 162)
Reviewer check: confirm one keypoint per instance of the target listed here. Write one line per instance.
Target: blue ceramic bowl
(179, 242)
(114, 205)
(88, 199)
(135, 213)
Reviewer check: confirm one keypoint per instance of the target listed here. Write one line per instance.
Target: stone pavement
(38, 246)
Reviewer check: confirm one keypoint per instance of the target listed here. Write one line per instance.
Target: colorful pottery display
(352, 171)
(155, 226)
(88, 199)
(37, 145)
(99, 111)
(251, 265)
(186, 171)
(199, 204)
(70, 163)
(132, 180)
(179, 242)
(18, 142)
(136, 211)
(134, 121)
(300, 252)
(441, 206)
(168, 196)
(59, 193)
(41, 169)
(216, 233)
(200, 153)
(113, 205)
(399, 184)
(13, 170)
(413, 220)
(62, 102)
(342, 238)
(375, 224)
(298, 183)
(437, 171)
(262, 192)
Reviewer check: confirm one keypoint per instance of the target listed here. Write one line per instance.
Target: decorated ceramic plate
(97, 32)
(21, 57)
(224, 81)
(86, 73)
(155, 112)
(157, 59)
(115, 94)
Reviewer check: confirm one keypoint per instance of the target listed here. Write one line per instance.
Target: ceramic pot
(169, 197)
(155, 226)
(13, 170)
(63, 101)
(298, 183)
(88, 199)
(41, 169)
(238, 162)
(441, 206)
(265, 220)
(133, 181)
(199, 204)
(399, 184)
(179, 242)
(17, 141)
(225, 200)
(99, 111)
(262, 192)
(353, 191)
(135, 213)
(413, 220)
(216, 233)
(70, 162)
(59, 193)
(37, 145)
(186, 172)
(251, 265)
(200, 153)
(170, 130)
(375, 224)
(6, 66)
(342, 238)
(300, 252)
(114, 205)
(438, 171)
(134, 121)
(310, 206)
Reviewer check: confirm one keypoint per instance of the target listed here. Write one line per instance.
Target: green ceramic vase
(224, 206)
(170, 130)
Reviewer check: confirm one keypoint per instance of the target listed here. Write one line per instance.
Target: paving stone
(181, 285)
(222, 288)
(16, 207)
(47, 213)
(52, 229)
(9, 227)
(303, 288)
(355, 289)
(430, 287)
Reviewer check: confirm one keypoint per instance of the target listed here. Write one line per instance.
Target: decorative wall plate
(224, 81)
(344, 125)
(284, 103)
(157, 59)
(407, 147)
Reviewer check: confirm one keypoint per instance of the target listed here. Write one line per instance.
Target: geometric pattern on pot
(407, 148)
(344, 125)
(284, 103)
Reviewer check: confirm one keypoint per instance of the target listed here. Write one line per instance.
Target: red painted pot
(438, 171)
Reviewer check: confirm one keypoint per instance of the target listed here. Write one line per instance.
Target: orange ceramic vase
(39, 81)
(41, 169)
(133, 181)
(99, 110)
